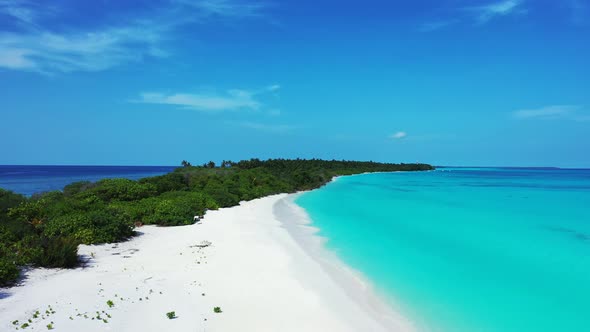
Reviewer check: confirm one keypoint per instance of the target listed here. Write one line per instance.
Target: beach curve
(253, 261)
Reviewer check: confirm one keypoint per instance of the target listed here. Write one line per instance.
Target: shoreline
(300, 226)
(260, 262)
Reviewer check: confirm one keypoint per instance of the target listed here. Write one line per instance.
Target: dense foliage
(45, 230)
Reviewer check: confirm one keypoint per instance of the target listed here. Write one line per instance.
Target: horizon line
(436, 166)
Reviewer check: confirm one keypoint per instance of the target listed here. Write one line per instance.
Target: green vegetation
(217, 310)
(45, 230)
(8, 272)
(110, 303)
(171, 315)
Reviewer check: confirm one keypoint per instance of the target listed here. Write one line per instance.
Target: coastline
(264, 267)
(300, 226)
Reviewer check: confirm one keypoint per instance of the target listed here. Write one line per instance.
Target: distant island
(46, 229)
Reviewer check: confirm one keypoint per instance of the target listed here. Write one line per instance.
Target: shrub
(77, 187)
(220, 193)
(8, 199)
(217, 310)
(173, 208)
(59, 252)
(110, 303)
(168, 182)
(171, 315)
(31, 211)
(13, 230)
(8, 273)
(24, 251)
(122, 190)
(97, 226)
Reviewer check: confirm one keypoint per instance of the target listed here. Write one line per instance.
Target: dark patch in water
(381, 186)
(572, 232)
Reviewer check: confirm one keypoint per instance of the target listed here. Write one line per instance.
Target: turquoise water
(467, 249)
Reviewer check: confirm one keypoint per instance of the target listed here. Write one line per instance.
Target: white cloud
(275, 128)
(399, 135)
(231, 100)
(567, 112)
(234, 99)
(40, 49)
(547, 112)
(482, 14)
(37, 48)
(273, 88)
(227, 8)
(503, 8)
(17, 10)
(93, 51)
(15, 58)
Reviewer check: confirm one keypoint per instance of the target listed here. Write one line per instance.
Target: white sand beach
(258, 262)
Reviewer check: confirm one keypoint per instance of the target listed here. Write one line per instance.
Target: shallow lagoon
(473, 249)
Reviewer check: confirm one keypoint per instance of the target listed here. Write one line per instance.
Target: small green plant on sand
(110, 303)
(171, 315)
(24, 326)
(50, 326)
(217, 310)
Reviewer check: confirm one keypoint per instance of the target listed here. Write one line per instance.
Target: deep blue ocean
(467, 249)
(28, 180)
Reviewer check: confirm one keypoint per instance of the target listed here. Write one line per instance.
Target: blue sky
(503, 82)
